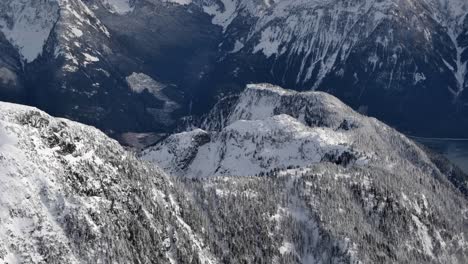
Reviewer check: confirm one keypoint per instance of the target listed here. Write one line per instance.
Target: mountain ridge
(90, 200)
(389, 59)
(264, 108)
(237, 157)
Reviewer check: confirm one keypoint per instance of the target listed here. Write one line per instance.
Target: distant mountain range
(404, 62)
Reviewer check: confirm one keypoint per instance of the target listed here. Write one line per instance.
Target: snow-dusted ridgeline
(268, 127)
(70, 194)
(322, 33)
(332, 186)
(29, 24)
(249, 148)
(307, 160)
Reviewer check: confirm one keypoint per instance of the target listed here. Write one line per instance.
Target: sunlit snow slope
(338, 186)
(69, 194)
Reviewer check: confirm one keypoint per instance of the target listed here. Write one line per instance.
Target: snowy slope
(251, 147)
(268, 128)
(83, 62)
(28, 24)
(69, 194)
(81, 37)
(388, 58)
(324, 32)
(320, 182)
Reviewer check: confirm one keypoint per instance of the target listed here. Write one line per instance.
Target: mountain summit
(360, 180)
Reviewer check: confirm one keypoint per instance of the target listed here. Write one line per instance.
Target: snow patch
(139, 82)
(424, 237)
(120, 7)
(89, 58)
(461, 69)
(419, 77)
(237, 47)
(268, 43)
(222, 15)
(286, 248)
(179, 2)
(5, 139)
(28, 25)
(78, 33)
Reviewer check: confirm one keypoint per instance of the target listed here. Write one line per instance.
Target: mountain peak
(326, 158)
(269, 87)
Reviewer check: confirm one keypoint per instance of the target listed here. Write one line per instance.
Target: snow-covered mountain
(317, 164)
(268, 175)
(69, 194)
(267, 128)
(251, 147)
(323, 34)
(255, 136)
(66, 61)
(392, 59)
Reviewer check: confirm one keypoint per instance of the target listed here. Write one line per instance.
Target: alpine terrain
(261, 183)
(318, 165)
(158, 60)
(158, 131)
